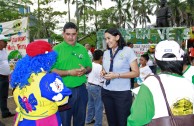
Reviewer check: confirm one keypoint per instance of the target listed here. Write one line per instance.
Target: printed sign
(149, 35)
(15, 26)
(140, 49)
(18, 42)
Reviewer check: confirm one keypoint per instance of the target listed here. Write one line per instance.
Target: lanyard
(111, 63)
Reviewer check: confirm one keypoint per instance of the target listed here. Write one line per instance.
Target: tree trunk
(69, 15)
(77, 14)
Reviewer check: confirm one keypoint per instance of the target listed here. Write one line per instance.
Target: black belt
(4, 75)
(93, 84)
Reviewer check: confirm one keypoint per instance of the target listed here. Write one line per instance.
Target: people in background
(130, 44)
(144, 69)
(149, 103)
(92, 49)
(88, 47)
(95, 81)
(4, 78)
(73, 63)
(116, 94)
(151, 62)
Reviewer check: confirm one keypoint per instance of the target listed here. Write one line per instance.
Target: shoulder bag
(171, 120)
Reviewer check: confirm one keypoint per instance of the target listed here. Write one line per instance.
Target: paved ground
(12, 106)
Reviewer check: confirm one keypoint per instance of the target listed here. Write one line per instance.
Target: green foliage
(8, 10)
(45, 20)
(56, 38)
(106, 19)
(90, 39)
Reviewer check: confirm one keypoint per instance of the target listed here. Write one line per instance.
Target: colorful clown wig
(40, 57)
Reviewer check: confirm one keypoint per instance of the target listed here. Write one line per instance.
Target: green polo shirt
(69, 57)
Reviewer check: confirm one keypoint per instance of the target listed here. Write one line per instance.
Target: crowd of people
(72, 84)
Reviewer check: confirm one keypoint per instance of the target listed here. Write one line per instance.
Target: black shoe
(93, 121)
(9, 114)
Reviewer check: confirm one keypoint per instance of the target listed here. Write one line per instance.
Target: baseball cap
(167, 46)
(5, 39)
(152, 46)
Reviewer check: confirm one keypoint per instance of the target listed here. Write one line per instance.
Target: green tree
(106, 18)
(68, 2)
(83, 7)
(145, 9)
(189, 12)
(122, 9)
(46, 23)
(9, 10)
(175, 11)
(99, 2)
(45, 20)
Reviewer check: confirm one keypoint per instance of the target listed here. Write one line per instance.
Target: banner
(18, 42)
(15, 26)
(140, 49)
(149, 35)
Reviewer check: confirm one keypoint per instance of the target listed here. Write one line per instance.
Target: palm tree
(134, 12)
(174, 5)
(145, 9)
(122, 10)
(190, 4)
(83, 7)
(99, 2)
(106, 18)
(68, 4)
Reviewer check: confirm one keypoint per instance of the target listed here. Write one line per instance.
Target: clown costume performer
(38, 93)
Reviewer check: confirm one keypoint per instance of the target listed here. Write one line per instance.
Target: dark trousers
(4, 88)
(78, 102)
(117, 106)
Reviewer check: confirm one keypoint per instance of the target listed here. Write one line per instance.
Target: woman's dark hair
(97, 54)
(170, 66)
(186, 59)
(145, 56)
(115, 32)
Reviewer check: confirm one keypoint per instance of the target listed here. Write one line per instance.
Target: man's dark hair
(97, 54)
(69, 25)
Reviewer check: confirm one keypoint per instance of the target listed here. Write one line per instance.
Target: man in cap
(4, 78)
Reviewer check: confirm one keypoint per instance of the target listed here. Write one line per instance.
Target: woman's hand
(111, 75)
(103, 73)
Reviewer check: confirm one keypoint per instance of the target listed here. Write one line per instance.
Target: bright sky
(60, 6)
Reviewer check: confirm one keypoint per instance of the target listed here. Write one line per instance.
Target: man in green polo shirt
(73, 63)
